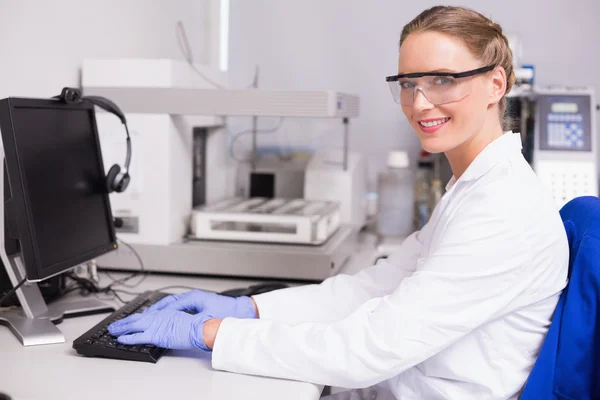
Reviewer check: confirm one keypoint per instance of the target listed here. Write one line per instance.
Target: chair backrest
(568, 366)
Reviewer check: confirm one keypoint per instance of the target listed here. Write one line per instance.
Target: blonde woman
(461, 310)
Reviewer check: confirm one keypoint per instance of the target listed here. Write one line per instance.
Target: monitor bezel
(19, 203)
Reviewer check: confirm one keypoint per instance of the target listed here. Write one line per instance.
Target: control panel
(566, 147)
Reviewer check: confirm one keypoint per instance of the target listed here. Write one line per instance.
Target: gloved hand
(170, 329)
(213, 304)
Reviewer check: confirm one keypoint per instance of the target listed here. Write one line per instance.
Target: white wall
(351, 45)
(42, 43)
(346, 45)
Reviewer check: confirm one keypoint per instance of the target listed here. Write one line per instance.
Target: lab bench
(58, 372)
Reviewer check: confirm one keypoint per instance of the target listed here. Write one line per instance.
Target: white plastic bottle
(396, 196)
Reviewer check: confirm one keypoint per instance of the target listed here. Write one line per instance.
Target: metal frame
(239, 259)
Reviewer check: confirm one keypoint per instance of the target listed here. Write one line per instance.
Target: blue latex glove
(213, 304)
(170, 329)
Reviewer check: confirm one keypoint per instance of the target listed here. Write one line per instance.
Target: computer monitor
(56, 212)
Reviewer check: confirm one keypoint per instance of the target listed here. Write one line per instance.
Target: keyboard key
(98, 342)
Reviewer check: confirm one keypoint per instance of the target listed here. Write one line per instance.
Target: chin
(434, 145)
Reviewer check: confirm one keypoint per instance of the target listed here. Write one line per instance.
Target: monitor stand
(34, 322)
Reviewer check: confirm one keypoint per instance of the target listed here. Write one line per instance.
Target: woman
(461, 310)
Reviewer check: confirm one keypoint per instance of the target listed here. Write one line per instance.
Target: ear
(497, 85)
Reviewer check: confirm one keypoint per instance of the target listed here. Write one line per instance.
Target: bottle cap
(398, 159)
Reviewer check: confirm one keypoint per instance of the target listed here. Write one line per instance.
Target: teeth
(429, 124)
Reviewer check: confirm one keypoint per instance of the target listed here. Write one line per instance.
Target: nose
(420, 101)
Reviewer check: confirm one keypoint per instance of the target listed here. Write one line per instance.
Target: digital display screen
(565, 108)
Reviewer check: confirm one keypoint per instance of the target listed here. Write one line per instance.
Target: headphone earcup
(111, 177)
(121, 182)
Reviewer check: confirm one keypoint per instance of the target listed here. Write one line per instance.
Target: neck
(462, 156)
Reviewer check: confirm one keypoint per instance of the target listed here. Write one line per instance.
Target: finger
(187, 301)
(136, 338)
(162, 303)
(139, 325)
(126, 320)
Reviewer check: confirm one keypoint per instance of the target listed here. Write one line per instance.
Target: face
(450, 126)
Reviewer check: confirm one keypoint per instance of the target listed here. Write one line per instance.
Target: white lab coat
(459, 312)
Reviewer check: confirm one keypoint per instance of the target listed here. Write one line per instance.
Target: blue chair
(568, 366)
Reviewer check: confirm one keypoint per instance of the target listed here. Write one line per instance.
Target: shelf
(247, 102)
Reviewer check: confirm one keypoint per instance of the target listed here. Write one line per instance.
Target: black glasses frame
(452, 74)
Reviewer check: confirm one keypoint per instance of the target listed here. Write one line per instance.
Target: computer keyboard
(98, 342)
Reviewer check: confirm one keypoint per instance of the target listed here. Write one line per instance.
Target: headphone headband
(117, 180)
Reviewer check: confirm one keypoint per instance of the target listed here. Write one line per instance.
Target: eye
(406, 84)
(443, 80)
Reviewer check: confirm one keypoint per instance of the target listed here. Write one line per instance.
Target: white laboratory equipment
(396, 196)
(260, 219)
(179, 180)
(156, 206)
(565, 153)
(328, 178)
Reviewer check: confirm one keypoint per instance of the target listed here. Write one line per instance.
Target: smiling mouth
(435, 122)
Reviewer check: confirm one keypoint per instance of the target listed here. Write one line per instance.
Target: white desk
(58, 372)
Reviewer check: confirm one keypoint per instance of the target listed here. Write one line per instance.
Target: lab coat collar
(495, 152)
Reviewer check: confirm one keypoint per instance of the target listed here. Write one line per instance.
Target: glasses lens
(436, 89)
(446, 89)
(395, 90)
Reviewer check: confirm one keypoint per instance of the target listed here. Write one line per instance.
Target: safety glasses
(437, 87)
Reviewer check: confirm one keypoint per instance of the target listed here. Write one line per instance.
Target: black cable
(70, 290)
(13, 290)
(137, 273)
(121, 281)
(114, 292)
(87, 286)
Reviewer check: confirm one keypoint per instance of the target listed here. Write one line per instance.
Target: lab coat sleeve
(321, 303)
(474, 275)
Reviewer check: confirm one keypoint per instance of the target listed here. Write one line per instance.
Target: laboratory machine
(560, 138)
(178, 125)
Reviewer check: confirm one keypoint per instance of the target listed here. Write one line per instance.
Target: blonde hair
(483, 37)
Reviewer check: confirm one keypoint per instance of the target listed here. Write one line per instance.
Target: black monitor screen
(62, 179)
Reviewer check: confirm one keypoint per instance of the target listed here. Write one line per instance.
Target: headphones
(117, 180)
